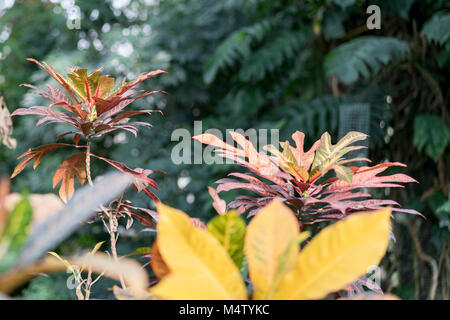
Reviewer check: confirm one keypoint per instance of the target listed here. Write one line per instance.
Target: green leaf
(431, 135)
(443, 212)
(445, 207)
(15, 233)
(227, 53)
(271, 56)
(363, 56)
(333, 27)
(399, 7)
(329, 155)
(235, 48)
(437, 28)
(344, 173)
(344, 3)
(141, 250)
(229, 229)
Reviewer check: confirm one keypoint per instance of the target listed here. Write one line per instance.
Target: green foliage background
(291, 65)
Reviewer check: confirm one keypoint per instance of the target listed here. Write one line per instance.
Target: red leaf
(53, 94)
(366, 177)
(141, 181)
(55, 75)
(138, 80)
(128, 114)
(47, 113)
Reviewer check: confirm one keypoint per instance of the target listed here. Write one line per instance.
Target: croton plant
(93, 105)
(304, 180)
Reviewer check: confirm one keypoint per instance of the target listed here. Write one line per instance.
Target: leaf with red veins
(73, 166)
(78, 111)
(128, 114)
(304, 159)
(101, 105)
(146, 216)
(141, 181)
(87, 89)
(230, 184)
(253, 180)
(55, 75)
(112, 106)
(104, 86)
(47, 113)
(83, 84)
(366, 177)
(345, 196)
(54, 94)
(138, 80)
(258, 163)
(36, 154)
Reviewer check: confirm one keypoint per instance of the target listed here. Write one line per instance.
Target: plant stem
(111, 217)
(113, 240)
(88, 285)
(88, 162)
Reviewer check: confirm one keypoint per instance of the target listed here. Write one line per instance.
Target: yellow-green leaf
(229, 229)
(338, 255)
(140, 251)
(97, 247)
(344, 173)
(268, 242)
(67, 264)
(200, 267)
(328, 154)
(15, 233)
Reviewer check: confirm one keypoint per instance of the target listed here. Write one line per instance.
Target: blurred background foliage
(309, 65)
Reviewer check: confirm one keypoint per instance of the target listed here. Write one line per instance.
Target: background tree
(309, 65)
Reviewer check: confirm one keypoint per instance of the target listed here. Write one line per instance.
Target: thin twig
(424, 257)
(112, 229)
(88, 285)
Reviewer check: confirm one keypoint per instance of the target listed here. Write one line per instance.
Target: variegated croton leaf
(93, 105)
(301, 179)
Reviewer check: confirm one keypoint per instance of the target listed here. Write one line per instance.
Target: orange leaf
(74, 166)
(37, 154)
(159, 267)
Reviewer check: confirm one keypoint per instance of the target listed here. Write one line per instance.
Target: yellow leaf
(268, 247)
(200, 268)
(66, 263)
(97, 247)
(338, 255)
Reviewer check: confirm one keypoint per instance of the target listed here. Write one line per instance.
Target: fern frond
(437, 28)
(235, 47)
(363, 55)
(273, 55)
